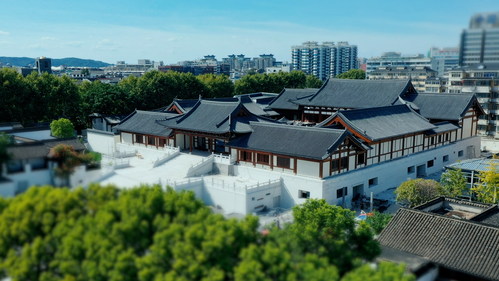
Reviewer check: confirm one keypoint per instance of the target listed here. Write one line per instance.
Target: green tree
(62, 128)
(57, 97)
(217, 85)
(384, 271)
(453, 183)
(487, 188)
(158, 89)
(353, 74)
(106, 99)
(378, 221)
(313, 82)
(273, 83)
(148, 233)
(17, 100)
(5, 141)
(417, 191)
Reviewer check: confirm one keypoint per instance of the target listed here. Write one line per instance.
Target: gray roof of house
(442, 106)
(352, 93)
(216, 117)
(460, 245)
(257, 108)
(477, 165)
(287, 98)
(491, 216)
(442, 127)
(144, 122)
(307, 142)
(383, 122)
(40, 149)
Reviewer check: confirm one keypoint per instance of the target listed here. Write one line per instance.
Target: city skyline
(176, 31)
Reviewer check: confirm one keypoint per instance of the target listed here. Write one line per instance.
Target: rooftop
(382, 122)
(461, 245)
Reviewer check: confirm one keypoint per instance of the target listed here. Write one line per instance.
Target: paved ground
(142, 172)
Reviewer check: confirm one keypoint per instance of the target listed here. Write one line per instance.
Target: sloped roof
(461, 245)
(286, 99)
(307, 142)
(217, 117)
(477, 165)
(442, 127)
(256, 108)
(352, 93)
(383, 122)
(41, 149)
(443, 106)
(144, 122)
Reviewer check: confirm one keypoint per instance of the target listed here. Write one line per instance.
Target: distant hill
(74, 62)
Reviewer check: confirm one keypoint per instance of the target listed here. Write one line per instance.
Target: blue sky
(173, 31)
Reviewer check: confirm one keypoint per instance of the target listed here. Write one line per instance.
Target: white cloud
(4, 33)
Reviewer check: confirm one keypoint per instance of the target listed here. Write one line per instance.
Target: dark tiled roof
(144, 122)
(351, 93)
(490, 216)
(383, 122)
(216, 117)
(41, 149)
(460, 245)
(286, 99)
(307, 142)
(442, 106)
(255, 108)
(442, 127)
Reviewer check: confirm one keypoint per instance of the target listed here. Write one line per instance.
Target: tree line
(46, 97)
(151, 234)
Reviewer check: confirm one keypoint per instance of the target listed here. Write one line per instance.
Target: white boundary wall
(101, 141)
(392, 173)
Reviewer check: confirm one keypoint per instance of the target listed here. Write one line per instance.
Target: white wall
(391, 174)
(101, 141)
(307, 168)
(126, 138)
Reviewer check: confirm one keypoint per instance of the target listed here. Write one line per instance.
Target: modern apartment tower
(480, 42)
(324, 60)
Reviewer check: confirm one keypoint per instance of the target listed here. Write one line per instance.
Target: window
(373, 182)
(361, 159)
(283, 162)
(245, 156)
(342, 192)
(303, 194)
(445, 158)
(139, 138)
(162, 142)
(262, 158)
(410, 169)
(460, 153)
(430, 163)
(151, 140)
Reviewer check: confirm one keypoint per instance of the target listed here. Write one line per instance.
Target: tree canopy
(147, 233)
(487, 188)
(62, 128)
(353, 74)
(417, 191)
(453, 183)
(5, 141)
(275, 82)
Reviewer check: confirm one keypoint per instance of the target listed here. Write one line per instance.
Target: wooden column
(191, 142)
(271, 161)
(295, 169)
(320, 168)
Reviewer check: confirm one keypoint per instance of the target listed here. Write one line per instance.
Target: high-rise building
(324, 60)
(43, 64)
(444, 59)
(480, 42)
(394, 59)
